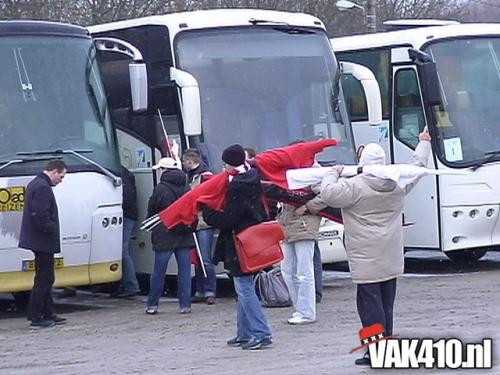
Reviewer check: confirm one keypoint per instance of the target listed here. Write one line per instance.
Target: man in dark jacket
(244, 208)
(40, 234)
(173, 184)
(129, 286)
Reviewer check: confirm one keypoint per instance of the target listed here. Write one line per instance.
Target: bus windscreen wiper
(117, 181)
(490, 158)
(6, 163)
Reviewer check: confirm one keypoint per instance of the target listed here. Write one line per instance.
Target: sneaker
(210, 300)
(42, 324)
(185, 310)
(151, 310)
(197, 299)
(255, 343)
(236, 341)
(298, 320)
(364, 360)
(58, 320)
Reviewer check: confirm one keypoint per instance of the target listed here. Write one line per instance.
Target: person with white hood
(372, 209)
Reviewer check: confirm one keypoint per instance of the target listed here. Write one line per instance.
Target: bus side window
(408, 112)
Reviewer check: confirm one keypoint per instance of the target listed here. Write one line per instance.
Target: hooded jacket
(372, 211)
(196, 177)
(173, 184)
(244, 208)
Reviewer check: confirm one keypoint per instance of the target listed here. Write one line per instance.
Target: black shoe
(123, 294)
(39, 324)
(364, 360)
(198, 299)
(210, 300)
(236, 341)
(255, 344)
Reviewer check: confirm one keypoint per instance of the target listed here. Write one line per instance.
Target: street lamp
(368, 13)
(346, 5)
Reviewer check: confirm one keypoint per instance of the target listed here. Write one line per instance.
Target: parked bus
(53, 105)
(455, 213)
(218, 77)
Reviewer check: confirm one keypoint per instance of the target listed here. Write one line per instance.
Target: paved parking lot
(110, 336)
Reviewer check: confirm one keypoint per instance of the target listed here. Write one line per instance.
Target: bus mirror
(190, 100)
(370, 87)
(429, 81)
(138, 86)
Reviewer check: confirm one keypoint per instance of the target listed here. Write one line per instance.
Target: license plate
(29, 265)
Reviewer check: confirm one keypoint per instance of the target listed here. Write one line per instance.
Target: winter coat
(173, 184)
(372, 211)
(195, 178)
(244, 208)
(301, 227)
(40, 223)
(129, 195)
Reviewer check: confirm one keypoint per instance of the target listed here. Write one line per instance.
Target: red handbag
(259, 246)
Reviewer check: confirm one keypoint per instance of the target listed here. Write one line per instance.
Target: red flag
(185, 209)
(273, 164)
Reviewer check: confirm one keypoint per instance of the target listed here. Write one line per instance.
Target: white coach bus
(218, 77)
(53, 105)
(458, 214)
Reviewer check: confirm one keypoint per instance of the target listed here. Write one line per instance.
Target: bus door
(408, 120)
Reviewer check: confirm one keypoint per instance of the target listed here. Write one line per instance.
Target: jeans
(183, 258)
(129, 281)
(298, 273)
(251, 321)
(375, 302)
(41, 305)
(205, 286)
(318, 272)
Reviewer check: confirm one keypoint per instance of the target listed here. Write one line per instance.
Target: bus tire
(466, 256)
(21, 300)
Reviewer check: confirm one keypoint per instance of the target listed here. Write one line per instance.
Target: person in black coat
(40, 234)
(244, 208)
(179, 241)
(129, 286)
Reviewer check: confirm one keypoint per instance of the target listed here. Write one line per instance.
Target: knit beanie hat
(372, 154)
(234, 155)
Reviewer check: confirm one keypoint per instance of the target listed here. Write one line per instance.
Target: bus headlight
(490, 212)
(105, 222)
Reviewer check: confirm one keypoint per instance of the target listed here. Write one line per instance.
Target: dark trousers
(318, 272)
(375, 302)
(41, 305)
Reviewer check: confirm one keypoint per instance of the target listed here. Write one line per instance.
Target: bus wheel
(466, 256)
(21, 300)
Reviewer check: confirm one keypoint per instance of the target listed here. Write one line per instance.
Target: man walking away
(40, 234)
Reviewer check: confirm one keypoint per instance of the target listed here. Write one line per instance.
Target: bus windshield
(52, 98)
(266, 87)
(468, 122)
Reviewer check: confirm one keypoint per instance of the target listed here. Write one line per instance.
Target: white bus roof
(202, 19)
(416, 37)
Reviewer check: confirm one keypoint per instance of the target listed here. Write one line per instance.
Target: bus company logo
(390, 352)
(12, 198)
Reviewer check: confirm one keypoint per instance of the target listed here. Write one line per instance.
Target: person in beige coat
(372, 211)
(301, 232)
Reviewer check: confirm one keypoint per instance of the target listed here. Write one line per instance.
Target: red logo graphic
(370, 335)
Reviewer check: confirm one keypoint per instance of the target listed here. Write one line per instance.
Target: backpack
(272, 288)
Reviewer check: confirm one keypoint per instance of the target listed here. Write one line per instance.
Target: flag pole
(198, 251)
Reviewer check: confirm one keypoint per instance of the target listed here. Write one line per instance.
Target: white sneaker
(297, 320)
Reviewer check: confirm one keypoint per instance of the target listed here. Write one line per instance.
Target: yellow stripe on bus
(21, 281)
